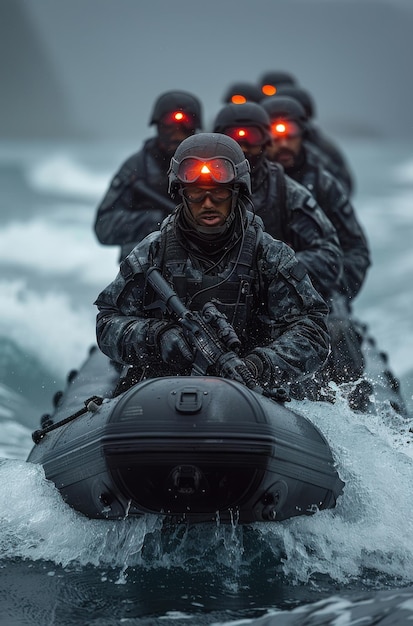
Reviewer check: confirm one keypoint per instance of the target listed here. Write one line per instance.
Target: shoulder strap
(253, 234)
(171, 252)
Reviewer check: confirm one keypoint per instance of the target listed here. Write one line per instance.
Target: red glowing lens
(252, 135)
(283, 129)
(177, 117)
(218, 169)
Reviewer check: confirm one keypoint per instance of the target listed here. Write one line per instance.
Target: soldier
(241, 92)
(270, 82)
(288, 147)
(288, 210)
(316, 140)
(212, 249)
(137, 200)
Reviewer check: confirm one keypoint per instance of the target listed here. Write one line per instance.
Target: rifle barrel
(158, 198)
(168, 295)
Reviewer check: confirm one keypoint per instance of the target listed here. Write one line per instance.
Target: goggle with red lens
(252, 135)
(175, 118)
(198, 194)
(218, 169)
(283, 129)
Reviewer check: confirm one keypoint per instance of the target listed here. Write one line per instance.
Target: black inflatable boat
(193, 449)
(196, 448)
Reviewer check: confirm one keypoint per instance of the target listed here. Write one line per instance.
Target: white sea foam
(386, 299)
(46, 325)
(65, 175)
(15, 439)
(57, 248)
(371, 528)
(403, 173)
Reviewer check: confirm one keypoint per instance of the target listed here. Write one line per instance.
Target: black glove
(232, 367)
(267, 375)
(255, 365)
(167, 341)
(262, 368)
(174, 348)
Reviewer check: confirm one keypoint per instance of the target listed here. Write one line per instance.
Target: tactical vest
(233, 291)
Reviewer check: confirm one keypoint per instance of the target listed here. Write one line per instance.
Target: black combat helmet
(209, 157)
(238, 93)
(234, 119)
(271, 81)
(172, 102)
(300, 94)
(286, 108)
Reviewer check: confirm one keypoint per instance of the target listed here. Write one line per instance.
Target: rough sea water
(350, 565)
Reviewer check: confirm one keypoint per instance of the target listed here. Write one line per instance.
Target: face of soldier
(210, 205)
(251, 140)
(285, 149)
(170, 137)
(173, 128)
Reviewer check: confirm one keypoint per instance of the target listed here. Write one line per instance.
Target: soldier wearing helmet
(270, 82)
(212, 248)
(137, 200)
(241, 92)
(286, 215)
(288, 147)
(317, 142)
(289, 129)
(288, 210)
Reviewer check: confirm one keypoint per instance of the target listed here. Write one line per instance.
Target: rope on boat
(91, 405)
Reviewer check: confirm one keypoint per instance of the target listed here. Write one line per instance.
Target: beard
(168, 141)
(287, 158)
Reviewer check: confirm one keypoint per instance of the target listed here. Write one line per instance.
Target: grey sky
(93, 68)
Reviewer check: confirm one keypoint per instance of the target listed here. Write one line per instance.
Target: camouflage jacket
(137, 200)
(286, 315)
(290, 213)
(329, 152)
(333, 199)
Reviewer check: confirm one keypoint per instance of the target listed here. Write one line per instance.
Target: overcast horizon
(92, 69)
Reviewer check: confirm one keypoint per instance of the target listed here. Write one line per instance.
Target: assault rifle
(211, 336)
(166, 204)
(163, 204)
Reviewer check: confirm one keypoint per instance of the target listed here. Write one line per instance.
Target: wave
(370, 530)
